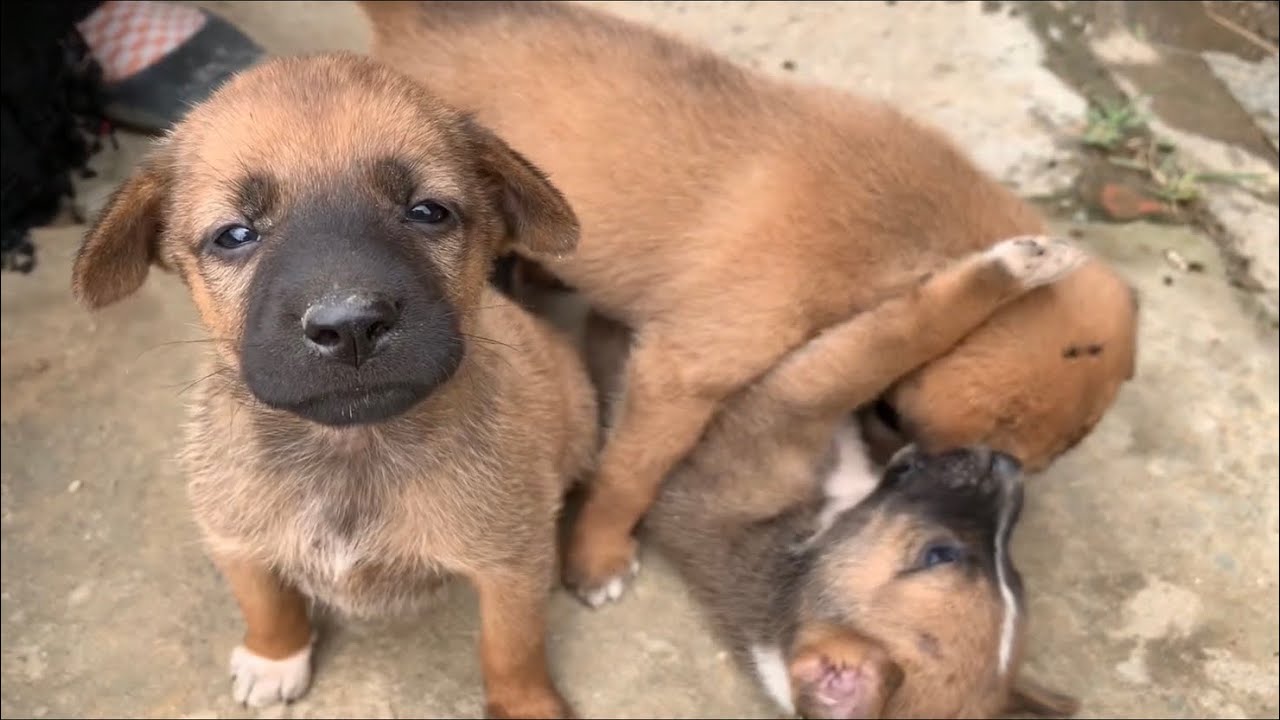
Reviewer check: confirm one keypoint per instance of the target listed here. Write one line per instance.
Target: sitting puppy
(377, 418)
(903, 603)
(728, 217)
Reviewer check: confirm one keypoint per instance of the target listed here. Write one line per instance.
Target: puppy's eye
(940, 554)
(235, 236)
(428, 212)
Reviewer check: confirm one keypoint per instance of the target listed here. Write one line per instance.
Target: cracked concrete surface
(1150, 552)
(1219, 110)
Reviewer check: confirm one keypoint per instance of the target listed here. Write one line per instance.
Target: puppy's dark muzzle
(1005, 467)
(1001, 467)
(348, 319)
(980, 459)
(973, 481)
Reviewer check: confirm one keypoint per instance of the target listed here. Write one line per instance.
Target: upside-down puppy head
(335, 224)
(1032, 381)
(913, 607)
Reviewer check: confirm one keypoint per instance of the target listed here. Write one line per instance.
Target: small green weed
(1109, 125)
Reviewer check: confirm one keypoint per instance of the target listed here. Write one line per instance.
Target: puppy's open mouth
(359, 407)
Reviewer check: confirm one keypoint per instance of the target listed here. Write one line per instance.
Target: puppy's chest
(362, 571)
(363, 544)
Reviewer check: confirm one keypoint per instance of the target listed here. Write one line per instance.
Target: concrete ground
(1150, 552)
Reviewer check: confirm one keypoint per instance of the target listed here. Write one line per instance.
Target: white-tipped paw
(1037, 260)
(611, 590)
(258, 681)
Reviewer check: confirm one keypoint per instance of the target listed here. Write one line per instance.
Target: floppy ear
(124, 240)
(838, 673)
(537, 216)
(1031, 698)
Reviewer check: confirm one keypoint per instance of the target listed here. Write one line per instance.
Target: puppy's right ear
(124, 240)
(838, 673)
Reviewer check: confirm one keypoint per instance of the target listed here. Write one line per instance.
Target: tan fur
(275, 614)
(931, 641)
(818, 644)
(368, 518)
(939, 631)
(727, 218)
(1035, 379)
(734, 511)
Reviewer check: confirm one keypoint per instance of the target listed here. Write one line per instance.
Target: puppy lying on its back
(903, 603)
(729, 216)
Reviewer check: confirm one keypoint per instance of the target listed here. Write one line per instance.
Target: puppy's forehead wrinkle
(393, 178)
(256, 194)
(259, 177)
(425, 175)
(302, 158)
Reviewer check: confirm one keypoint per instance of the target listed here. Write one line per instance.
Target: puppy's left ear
(537, 217)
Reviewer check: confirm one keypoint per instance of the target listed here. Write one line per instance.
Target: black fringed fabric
(51, 119)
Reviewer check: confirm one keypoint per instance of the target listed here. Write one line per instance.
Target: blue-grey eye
(235, 236)
(940, 554)
(428, 212)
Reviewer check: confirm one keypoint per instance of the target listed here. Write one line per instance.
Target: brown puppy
(904, 603)
(728, 217)
(1029, 381)
(376, 418)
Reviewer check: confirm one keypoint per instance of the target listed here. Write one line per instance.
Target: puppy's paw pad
(611, 590)
(1037, 260)
(257, 681)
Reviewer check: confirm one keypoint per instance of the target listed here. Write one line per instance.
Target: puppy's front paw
(258, 681)
(532, 703)
(1037, 260)
(598, 577)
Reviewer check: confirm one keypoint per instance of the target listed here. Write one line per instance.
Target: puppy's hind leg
(273, 664)
(607, 345)
(676, 376)
(656, 422)
(851, 363)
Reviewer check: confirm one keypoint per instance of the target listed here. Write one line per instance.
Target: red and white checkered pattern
(128, 36)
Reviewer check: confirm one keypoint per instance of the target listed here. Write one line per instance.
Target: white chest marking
(850, 480)
(341, 558)
(773, 675)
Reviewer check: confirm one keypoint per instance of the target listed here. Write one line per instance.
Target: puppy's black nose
(349, 328)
